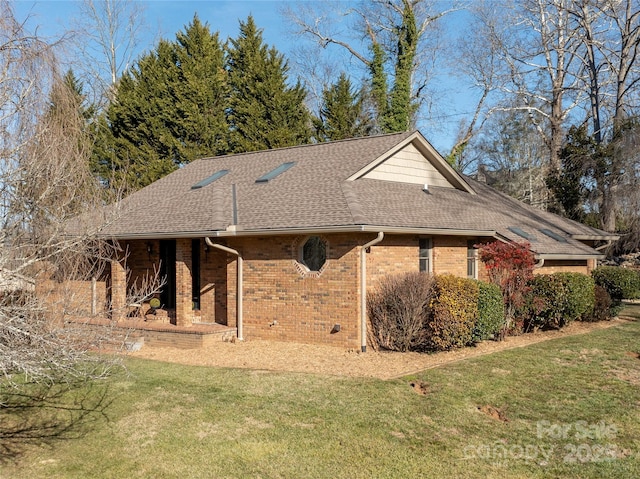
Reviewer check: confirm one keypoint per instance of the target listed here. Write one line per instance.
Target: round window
(314, 253)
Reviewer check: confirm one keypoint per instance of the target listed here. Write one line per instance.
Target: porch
(133, 333)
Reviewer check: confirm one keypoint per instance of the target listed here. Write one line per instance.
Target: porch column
(184, 288)
(118, 288)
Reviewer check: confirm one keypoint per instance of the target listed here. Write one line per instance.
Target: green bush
(559, 298)
(579, 296)
(544, 302)
(398, 308)
(620, 283)
(454, 310)
(603, 307)
(491, 315)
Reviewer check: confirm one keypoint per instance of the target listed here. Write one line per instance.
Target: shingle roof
(314, 193)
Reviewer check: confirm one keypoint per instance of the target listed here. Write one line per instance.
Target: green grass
(575, 400)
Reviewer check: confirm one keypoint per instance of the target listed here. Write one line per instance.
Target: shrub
(490, 312)
(544, 302)
(620, 283)
(603, 307)
(559, 298)
(454, 309)
(509, 265)
(398, 311)
(579, 296)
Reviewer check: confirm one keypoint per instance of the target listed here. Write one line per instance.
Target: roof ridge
(307, 145)
(353, 203)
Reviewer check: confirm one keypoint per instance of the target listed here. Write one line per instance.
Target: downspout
(604, 246)
(238, 283)
(539, 264)
(363, 289)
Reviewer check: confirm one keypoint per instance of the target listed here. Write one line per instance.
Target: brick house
(283, 244)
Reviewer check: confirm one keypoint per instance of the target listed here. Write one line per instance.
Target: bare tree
(108, 35)
(399, 36)
(45, 183)
(477, 56)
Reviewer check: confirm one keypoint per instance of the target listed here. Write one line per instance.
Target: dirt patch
(494, 413)
(328, 360)
(420, 387)
(633, 354)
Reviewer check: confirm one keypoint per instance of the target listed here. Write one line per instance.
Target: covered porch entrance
(195, 283)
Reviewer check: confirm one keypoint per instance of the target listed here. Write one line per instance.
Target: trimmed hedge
(491, 319)
(454, 310)
(559, 298)
(620, 283)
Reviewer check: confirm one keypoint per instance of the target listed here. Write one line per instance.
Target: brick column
(118, 289)
(184, 291)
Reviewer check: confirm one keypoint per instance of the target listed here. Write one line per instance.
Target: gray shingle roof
(314, 193)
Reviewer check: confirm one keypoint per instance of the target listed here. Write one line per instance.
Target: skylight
(520, 232)
(554, 235)
(216, 176)
(273, 173)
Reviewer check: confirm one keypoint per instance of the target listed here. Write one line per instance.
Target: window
(425, 255)
(522, 233)
(554, 235)
(216, 176)
(472, 260)
(314, 253)
(276, 172)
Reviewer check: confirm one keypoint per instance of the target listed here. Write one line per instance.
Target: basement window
(216, 176)
(313, 253)
(276, 172)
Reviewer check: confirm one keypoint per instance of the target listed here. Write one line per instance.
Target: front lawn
(562, 408)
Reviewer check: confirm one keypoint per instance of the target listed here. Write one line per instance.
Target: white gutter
(236, 231)
(539, 264)
(363, 289)
(238, 283)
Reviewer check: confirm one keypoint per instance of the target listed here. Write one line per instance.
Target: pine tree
(168, 110)
(342, 114)
(264, 112)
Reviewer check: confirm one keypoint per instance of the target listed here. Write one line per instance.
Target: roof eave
(561, 256)
(581, 237)
(240, 232)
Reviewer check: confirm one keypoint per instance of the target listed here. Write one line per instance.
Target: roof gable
(414, 161)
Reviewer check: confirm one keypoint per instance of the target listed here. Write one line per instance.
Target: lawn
(563, 408)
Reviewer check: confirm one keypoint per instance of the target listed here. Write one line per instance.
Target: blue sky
(164, 18)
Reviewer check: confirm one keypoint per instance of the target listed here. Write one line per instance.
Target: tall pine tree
(343, 113)
(168, 110)
(264, 111)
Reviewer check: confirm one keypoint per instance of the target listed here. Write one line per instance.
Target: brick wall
(283, 302)
(399, 254)
(575, 266)
(72, 298)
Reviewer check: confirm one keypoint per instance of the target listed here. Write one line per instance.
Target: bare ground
(329, 360)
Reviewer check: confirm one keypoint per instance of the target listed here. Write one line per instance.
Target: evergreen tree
(342, 114)
(263, 111)
(168, 110)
